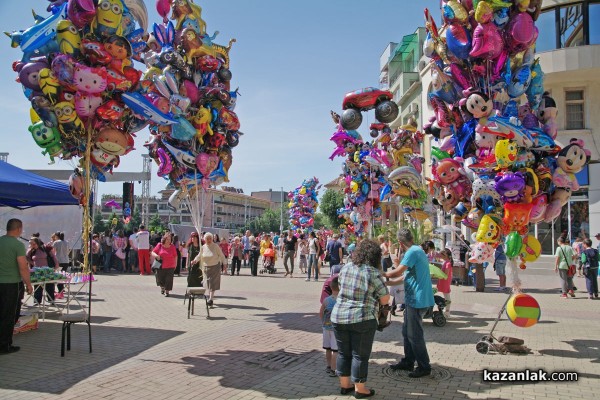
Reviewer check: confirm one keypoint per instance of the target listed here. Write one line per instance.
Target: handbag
(384, 317)
(572, 270)
(156, 264)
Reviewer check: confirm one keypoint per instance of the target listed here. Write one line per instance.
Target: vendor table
(71, 291)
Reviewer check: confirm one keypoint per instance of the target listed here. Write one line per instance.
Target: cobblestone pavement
(264, 340)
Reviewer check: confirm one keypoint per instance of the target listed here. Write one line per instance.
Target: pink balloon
(487, 42)
(520, 33)
(163, 7)
(81, 12)
(460, 76)
(207, 163)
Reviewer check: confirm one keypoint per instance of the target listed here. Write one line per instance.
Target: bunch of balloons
(303, 204)
(188, 84)
(76, 70)
(497, 167)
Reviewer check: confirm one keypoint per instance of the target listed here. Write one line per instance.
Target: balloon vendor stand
(490, 344)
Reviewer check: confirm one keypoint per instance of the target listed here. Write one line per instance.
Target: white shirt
(143, 240)
(133, 241)
(312, 245)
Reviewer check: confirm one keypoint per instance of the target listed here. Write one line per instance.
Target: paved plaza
(264, 340)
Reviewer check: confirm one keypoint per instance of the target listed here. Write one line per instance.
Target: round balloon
(531, 248)
(523, 310)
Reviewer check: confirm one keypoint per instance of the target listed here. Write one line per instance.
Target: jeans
(9, 300)
(414, 340)
(312, 262)
(288, 255)
(591, 281)
(235, 262)
(107, 261)
(567, 281)
(354, 342)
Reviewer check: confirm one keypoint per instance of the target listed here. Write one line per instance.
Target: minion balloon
(67, 36)
(107, 22)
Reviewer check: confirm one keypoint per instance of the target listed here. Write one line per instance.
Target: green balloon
(513, 242)
(438, 154)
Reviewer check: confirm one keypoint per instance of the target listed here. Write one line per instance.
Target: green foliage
(419, 231)
(111, 222)
(390, 231)
(99, 225)
(268, 222)
(331, 201)
(321, 221)
(156, 224)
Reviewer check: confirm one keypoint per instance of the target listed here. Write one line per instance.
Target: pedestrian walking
(211, 258)
(165, 253)
(290, 248)
(329, 340)
(562, 265)
(589, 258)
(143, 244)
(237, 253)
(313, 251)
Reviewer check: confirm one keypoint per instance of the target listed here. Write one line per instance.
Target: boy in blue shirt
(329, 341)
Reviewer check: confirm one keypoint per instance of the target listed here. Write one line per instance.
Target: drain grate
(277, 359)
(438, 374)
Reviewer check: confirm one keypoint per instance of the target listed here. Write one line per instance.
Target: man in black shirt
(290, 247)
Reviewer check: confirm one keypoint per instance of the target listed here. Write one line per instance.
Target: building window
(571, 26)
(574, 101)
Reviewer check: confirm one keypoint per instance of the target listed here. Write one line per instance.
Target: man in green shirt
(13, 273)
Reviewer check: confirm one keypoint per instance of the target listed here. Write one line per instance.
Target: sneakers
(307, 279)
(418, 373)
(330, 372)
(316, 280)
(564, 296)
(571, 293)
(402, 366)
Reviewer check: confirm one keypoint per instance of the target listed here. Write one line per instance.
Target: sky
(293, 62)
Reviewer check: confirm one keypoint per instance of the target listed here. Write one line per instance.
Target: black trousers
(254, 255)
(9, 300)
(235, 263)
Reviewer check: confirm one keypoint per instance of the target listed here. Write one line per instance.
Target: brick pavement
(145, 347)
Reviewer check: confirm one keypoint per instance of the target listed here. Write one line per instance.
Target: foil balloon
(489, 230)
(513, 244)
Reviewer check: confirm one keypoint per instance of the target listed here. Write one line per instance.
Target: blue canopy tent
(22, 189)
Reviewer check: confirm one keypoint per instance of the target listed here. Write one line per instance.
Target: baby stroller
(268, 262)
(438, 315)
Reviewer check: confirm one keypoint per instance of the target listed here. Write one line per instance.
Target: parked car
(386, 110)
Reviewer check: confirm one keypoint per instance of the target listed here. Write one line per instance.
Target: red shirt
(167, 255)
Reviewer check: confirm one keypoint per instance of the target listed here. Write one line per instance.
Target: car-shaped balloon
(386, 110)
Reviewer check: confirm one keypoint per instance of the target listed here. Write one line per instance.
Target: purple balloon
(520, 33)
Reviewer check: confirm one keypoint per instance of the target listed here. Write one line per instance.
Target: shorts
(329, 342)
(500, 267)
(246, 252)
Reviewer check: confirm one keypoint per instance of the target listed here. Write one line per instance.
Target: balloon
(513, 244)
(538, 209)
(487, 42)
(489, 230)
(531, 249)
(523, 310)
(458, 40)
(516, 217)
(481, 252)
(81, 12)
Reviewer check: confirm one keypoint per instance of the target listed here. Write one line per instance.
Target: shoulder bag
(572, 270)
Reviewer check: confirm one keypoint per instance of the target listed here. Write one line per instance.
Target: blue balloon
(458, 39)
(183, 130)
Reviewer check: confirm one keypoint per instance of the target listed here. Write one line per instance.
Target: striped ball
(523, 310)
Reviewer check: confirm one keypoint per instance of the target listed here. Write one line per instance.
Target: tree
(111, 222)
(156, 224)
(321, 221)
(331, 201)
(135, 221)
(99, 225)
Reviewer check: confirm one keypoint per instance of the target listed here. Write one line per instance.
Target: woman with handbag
(165, 253)
(355, 316)
(565, 267)
(211, 258)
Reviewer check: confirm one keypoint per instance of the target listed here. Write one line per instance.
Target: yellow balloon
(35, 118)
(302, 190)
(531, 249)
(488, 231)
(354, 187)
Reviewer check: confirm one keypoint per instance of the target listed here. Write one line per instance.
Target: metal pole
(281, 213)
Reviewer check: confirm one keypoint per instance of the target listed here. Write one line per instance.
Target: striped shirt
(360, 291)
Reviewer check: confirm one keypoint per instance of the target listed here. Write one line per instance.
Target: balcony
(562, 63)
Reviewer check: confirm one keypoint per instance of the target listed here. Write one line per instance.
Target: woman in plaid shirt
(354, 316)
